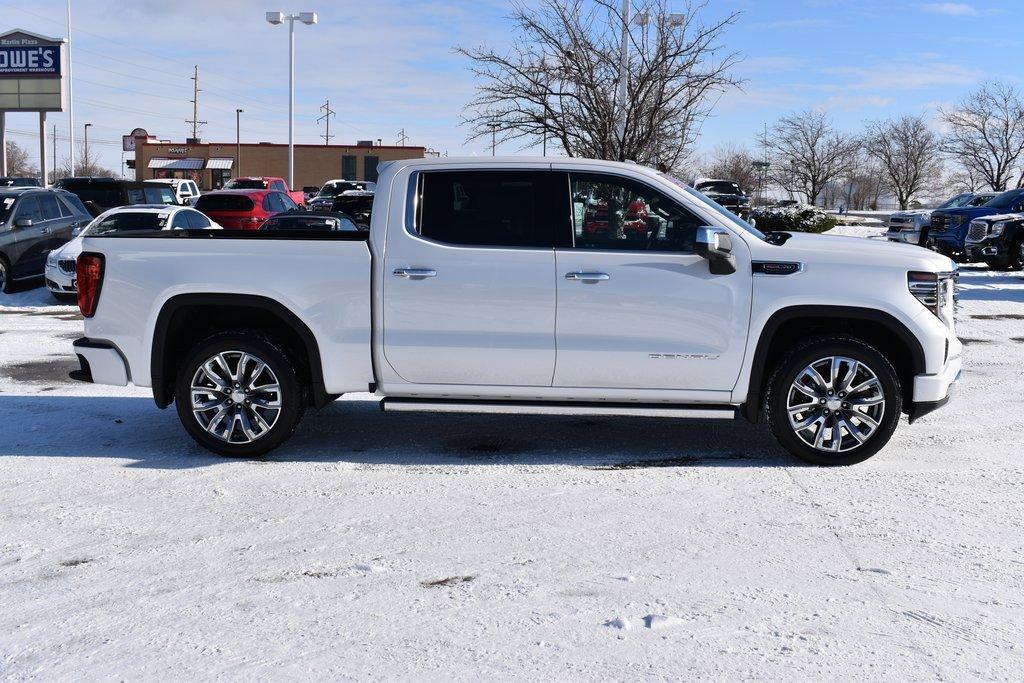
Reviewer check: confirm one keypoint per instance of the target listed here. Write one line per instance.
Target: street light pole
(238, 142)
(620, 121)
(307, 18)
(71, 99)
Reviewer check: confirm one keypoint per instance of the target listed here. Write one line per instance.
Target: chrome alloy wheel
(236, 397)
(835, 404)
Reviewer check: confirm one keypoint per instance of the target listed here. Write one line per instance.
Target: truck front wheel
(239, 395)
(834, 401)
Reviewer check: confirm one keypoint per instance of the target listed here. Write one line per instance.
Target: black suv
(997, 240)
(100, 194)
(33, 222)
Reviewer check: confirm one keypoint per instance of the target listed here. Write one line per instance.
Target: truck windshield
(719, 187)
(128, 221)
(959, 200)
(733, 219)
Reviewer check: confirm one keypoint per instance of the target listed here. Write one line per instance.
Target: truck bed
(323, 278)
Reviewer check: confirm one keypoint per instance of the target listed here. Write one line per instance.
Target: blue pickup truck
(948, 233)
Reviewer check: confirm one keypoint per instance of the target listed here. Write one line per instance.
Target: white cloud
(955, 9)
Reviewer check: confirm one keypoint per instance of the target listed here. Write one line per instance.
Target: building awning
(187, 164)
(219, 163)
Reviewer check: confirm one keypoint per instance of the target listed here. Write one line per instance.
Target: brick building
(211, 164)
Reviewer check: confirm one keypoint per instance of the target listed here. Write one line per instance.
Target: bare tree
(864, 186)
(808, 153)
(87, 163)
(908, 153)
(18, 162)
(733, 163)
(986, 135)
(559, 79)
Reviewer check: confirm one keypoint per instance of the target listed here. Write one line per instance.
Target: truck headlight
(997, 229)
(935, 291)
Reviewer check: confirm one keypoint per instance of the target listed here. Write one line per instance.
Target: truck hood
(968, 211)
(833, 250)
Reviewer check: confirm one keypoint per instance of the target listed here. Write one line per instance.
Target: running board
(690, 411)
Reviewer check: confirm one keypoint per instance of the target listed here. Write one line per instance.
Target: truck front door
(469, 278)
(637, 308)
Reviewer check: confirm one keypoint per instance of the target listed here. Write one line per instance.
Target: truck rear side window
(493, 208)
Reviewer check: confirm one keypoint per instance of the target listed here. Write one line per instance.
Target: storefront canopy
(188, 164)
(219, 163)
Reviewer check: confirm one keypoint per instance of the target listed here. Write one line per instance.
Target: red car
(244, 209)
(266, 183)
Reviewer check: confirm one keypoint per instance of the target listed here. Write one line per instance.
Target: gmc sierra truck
(477, 289)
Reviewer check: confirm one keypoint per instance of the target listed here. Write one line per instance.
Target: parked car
(912, 227)
(20, 182)
(100, 194)
(34, 221)
(948, 234)
(186, 192)
(324, 200)
(61, 262)
(244, 209)
(727, 193)
(324, 222)
(266, 183)
(450, 304)
(997, 240)
(310, 191)
(357, 204)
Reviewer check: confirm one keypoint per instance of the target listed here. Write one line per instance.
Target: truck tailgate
(324, 282)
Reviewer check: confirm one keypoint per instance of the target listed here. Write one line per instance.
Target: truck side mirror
(715, 245)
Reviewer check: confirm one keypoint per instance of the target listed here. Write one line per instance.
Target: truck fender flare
(752, 405)
(163, 387)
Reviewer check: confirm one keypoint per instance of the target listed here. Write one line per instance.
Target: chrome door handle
(45, 231)
(587, 277)
(415, 273)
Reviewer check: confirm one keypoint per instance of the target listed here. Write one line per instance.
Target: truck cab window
(491, 208)
(614, 213)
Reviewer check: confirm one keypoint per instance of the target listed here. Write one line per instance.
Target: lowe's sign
(30, 61)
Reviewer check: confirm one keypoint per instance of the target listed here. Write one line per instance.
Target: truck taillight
(89, 279)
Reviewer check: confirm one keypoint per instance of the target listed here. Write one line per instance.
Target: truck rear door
(469, 278)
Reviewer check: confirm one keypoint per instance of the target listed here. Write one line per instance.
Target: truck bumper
(931, 392)
(100, 363)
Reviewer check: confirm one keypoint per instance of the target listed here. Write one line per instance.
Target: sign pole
(3, 144)
(71, 100)
(44, 176)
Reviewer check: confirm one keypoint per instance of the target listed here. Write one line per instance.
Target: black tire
(65, 298)
(1016, 259)
(291, 396)
(780, 388)
(5, 276)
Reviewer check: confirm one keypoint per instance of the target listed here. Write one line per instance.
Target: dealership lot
(426, 546)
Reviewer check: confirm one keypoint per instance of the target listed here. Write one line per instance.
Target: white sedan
(61, 263)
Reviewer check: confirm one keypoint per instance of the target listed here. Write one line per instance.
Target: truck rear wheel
(239, 395)
(834, 401)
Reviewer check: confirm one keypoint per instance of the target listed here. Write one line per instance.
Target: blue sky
(388, 65)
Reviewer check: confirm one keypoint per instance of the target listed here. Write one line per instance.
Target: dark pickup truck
(997, 240)
(727, 193)
(949, 229)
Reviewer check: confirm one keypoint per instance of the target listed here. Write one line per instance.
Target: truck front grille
(939, 222)
(977, 232)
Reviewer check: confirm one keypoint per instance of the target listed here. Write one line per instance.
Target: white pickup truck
(532, 286)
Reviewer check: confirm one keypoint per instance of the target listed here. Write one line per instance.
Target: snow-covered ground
(468, 547)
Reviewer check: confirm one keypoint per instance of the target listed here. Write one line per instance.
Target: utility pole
(55, 149)
(85, 146)
(238, 142)
(622, 94)
(402, 137)
(326, 118)
(195, 104)
(494, 145)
